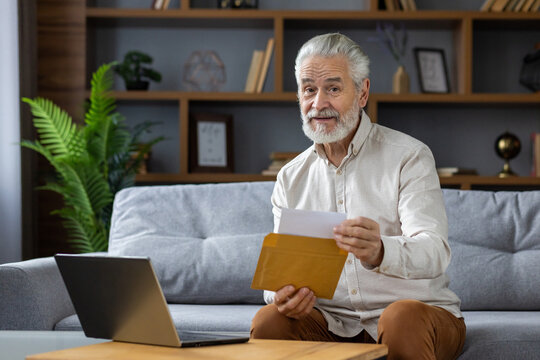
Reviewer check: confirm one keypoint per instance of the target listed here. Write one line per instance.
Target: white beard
(344, 124)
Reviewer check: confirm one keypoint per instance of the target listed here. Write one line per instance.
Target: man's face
(329, 102)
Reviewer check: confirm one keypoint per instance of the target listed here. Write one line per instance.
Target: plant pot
(400, 81)
(137, 85)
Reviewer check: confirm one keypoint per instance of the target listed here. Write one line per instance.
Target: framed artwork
(210, 143)
(432, 70)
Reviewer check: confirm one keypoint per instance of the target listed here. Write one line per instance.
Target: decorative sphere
(507, 146)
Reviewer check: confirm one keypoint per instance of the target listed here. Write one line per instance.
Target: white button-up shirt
(389, 177)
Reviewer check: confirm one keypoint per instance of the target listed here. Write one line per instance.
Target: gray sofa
(204, 242)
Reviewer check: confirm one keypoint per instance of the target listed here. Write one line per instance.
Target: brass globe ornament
(507, 147)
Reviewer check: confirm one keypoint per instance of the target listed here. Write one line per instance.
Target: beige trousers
(410, 329)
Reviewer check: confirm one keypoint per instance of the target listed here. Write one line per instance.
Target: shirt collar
(358, 140)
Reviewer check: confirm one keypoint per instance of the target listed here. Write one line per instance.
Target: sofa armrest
(33, 295)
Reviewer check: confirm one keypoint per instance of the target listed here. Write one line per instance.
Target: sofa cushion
(501, 335)
(192, 317)
(203, 240)
(495, 242)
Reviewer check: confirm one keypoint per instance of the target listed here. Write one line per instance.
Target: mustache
(325, 113)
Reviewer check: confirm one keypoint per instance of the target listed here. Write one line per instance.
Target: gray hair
(335, 44)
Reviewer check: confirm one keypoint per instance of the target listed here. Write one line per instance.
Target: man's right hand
(294, 304)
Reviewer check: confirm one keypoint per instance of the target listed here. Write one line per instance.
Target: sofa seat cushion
(203, 240)
(193, 317)
(501, 335)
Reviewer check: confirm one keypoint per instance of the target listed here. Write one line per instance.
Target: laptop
(120, 298)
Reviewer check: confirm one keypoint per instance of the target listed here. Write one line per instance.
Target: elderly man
(393, 287)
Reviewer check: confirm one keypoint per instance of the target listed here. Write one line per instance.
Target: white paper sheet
(309, 223)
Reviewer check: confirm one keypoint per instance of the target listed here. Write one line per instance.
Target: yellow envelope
(300, 261)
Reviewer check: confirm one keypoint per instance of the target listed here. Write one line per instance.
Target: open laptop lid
(118, 298)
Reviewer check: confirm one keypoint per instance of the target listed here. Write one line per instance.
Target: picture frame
(432, 70)
(210, 143)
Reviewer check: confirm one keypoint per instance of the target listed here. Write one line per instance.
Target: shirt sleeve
(422, 251)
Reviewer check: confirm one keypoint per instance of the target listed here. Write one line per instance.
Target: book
(390, 5)
(486, 6)
(511, 5)
(535, 6)
(412, 5)
(518, 6)
(165, 5)
(254, 69)
(157, 4)
(535, 141)
(283, 155)
(266, 63)
(499, 5)
(405, 5)
(527, 5)
(451, 171)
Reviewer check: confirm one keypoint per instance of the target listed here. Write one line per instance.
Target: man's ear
(364, 93)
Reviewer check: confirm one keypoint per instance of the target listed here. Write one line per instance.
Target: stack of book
(511, 5)
(535, 140)
(279, 159)
(400, 5)
(451, 171)
(260, 61)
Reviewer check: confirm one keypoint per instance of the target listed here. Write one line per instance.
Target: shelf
(201, 178)
(533, 98)
(464, 181)
(457, 15)
(467, 181)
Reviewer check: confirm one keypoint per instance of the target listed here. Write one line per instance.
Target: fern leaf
(56, 130)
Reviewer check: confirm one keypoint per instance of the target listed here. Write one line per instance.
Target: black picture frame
(210, 143)
(432, 70)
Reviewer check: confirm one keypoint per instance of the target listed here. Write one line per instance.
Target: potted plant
(92, 162)
(135, 75)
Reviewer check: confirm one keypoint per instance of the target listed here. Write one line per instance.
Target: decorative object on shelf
(210, 143)
(92, 162)
(135, 75)
(432, 70)
(396, 43)
(279, 159)
(160, 4)
(507, 147)
(530, 70)
(238, 4)
(204, 71)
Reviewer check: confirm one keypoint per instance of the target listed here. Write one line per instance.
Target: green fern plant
(92, 162)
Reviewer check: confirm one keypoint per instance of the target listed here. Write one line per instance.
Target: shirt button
(339, 172)
(354, 291)
(340, 202)
(349, 261)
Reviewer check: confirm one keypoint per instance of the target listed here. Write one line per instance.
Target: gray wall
(459, 135)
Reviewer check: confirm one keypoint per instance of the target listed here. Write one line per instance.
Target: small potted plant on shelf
(135, 75)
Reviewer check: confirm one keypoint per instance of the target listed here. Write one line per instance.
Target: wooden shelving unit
(461, 23)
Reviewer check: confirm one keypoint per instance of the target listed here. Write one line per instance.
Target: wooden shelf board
(434, 15)
(202, 96)
(201, 178)
(227, 177)
(533, 98)
(489, 180)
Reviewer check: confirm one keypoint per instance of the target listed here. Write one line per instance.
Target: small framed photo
(210, 143)
(432, 70)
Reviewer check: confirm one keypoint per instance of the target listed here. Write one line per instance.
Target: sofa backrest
(203, 240)
(495, 242)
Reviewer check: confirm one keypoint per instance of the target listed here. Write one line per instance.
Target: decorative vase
(400, 81)
(507, 147)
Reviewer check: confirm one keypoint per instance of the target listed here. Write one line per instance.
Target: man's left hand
(361, 236)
